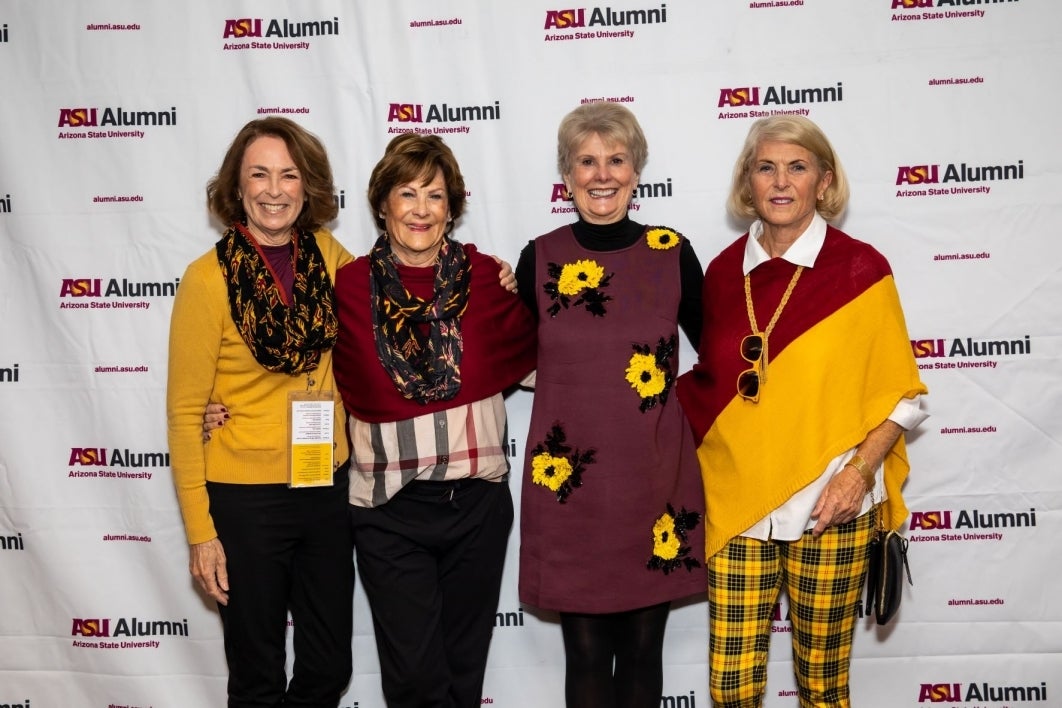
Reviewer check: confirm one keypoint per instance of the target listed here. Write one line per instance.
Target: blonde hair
(796, 130)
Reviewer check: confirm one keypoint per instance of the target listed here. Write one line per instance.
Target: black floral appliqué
(649, 373)
(670, 531)
(578, 283)
(555, 466)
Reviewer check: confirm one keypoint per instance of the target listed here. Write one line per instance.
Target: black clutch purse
(885, 572)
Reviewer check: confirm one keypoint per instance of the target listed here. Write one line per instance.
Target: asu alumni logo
(969, 520)
(246, 31)
(951, 693)
(89, 122)
(763, 101)
(134, 632)
(88, 117)
(968, 348)
(414, 117)
(954, 178)
(123, 463)
(111, 294)
(579, 23)
(561, 201)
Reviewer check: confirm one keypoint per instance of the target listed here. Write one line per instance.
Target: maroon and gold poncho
(840, 361)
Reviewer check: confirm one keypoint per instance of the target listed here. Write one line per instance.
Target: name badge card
(310, 420)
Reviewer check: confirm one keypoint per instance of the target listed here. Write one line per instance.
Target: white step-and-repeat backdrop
(115, 114)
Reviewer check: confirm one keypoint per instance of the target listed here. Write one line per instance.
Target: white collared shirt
(789, 521)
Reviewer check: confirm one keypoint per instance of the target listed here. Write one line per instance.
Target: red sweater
(497, 329)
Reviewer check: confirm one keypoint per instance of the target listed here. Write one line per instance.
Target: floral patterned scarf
(419, 341)
(282, 338)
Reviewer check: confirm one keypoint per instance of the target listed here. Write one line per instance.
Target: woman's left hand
(840, 502)
(842, 499)
(214, 417)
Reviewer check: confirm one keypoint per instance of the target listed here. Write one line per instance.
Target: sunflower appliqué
(670, 551)
(575, 284)
(649, 373)
(661, 238)
(555, 466)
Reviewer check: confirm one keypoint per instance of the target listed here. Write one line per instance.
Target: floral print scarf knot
(282, 338)
(419, 341)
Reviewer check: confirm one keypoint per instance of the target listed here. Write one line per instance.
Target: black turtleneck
(613, 237)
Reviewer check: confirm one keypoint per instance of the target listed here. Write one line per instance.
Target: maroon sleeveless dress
(612, 502)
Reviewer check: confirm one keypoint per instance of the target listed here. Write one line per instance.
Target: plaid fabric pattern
(824, 578)
(458, 443)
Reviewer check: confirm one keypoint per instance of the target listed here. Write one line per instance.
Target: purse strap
(879, 520)
(882, 534)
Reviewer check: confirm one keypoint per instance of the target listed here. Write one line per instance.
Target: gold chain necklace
(774, 318)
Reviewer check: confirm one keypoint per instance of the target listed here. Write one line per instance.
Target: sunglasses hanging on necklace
(754, 346)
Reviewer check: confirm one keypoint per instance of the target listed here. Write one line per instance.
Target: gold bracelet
(863, 468)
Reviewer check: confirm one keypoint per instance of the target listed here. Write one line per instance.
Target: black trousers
(430, 561)
(286, 549)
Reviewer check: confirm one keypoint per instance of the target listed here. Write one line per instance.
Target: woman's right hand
(214, 417)
(506, 276)
(206, 562)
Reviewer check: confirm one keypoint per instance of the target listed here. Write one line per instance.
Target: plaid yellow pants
(824, 578)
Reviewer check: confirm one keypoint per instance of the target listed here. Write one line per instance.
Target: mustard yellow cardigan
(209, 362)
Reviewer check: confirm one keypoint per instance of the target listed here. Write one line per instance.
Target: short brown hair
(412, 156)
(612, 122)
(310, 159)
(795, 130)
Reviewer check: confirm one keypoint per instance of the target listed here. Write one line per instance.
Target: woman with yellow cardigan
(253, 327)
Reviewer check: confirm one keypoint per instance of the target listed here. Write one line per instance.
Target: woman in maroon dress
(612, 502)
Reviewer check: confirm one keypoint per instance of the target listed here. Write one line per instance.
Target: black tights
(614, 660)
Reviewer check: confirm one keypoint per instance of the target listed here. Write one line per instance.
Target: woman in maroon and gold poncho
(805, 384)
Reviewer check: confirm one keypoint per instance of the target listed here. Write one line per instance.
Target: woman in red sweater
(429, 341)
